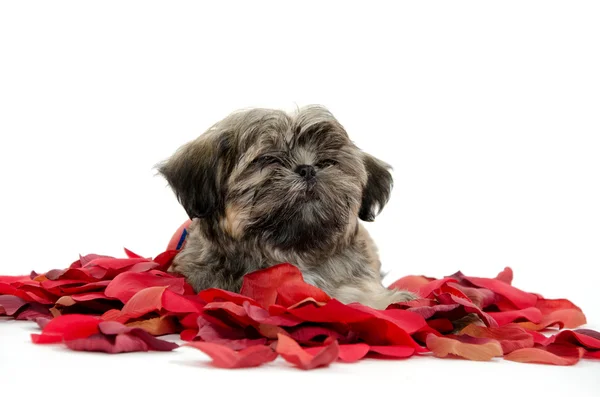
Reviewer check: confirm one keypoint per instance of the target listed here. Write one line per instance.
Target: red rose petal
(519, 298)
(219, 295)
(67, 327)
(553, 354)
(175, 303)
(145, 301)
(411, 283)
(224, 357)
(506, 276)
(469, 308)
(293, 353)
(443, 347)
(547, 306)
(101, 343)
(157, 326)
(564, 318)
(34, 311)
(353, 352)
(332, 312)
(10, 304)
(588, 339)
(531, 314)
(165, 259)
(511, 337)
(131, 254)
(408, 321)
(393, 351)
(282, 284)
(125, 285)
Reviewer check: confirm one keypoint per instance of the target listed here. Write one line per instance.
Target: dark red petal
(306, 333)
(469, 307)
(429, 311)
(293, 353)
(588, 339)
(34, 311)
(442, 325)
(224, 357)
(530, 314)
(108, 344)
(445, 346)
(127, 284)
(353, 352)
(152, 342)
(67, 327)
(10, 304)
(553, 354)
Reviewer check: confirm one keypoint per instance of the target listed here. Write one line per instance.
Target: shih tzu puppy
(264, 187)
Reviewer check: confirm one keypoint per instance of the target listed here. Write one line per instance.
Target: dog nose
(306, 171)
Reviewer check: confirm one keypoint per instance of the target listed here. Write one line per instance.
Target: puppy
(264, 187)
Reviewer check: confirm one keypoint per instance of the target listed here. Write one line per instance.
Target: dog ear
(377, 190)
(197, 172)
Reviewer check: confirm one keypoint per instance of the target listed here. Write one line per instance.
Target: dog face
(292, 181)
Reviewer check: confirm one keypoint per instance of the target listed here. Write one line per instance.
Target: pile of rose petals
(118, 305)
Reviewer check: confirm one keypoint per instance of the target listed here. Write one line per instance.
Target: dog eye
(266, 160)
(326, 163)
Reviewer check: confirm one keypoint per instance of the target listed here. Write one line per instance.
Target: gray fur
(251, 208)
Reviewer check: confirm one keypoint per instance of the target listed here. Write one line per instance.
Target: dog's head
(294, 181)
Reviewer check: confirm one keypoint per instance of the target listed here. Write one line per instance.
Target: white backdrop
(488, 111)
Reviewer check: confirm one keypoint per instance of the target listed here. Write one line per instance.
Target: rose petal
(224, 357)
(353, 352)
(156, 326)
(10, 304)
(393, 351)
(588, 339)
(531, 314)
(411, 283)
(67, 327)
(519, 298)
(553, 354)
(293, 353)
(506, 276)
(565, 318)
(282, 284)
(444, 346)
(125, 285)
(101, 343)
(511, 336)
